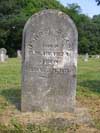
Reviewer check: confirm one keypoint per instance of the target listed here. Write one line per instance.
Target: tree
(74, 7)
(15, 13)
(13, 16)
(98, 2)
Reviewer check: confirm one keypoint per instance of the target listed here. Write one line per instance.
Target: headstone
(86, 57)
(19, 53)
(3, 52)
(97, 56)
(49, 62)
(7, 57)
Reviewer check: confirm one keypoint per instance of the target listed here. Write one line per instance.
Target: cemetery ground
(88, 95)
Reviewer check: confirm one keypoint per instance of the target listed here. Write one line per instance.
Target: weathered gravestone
(3, 52)
(19, 53)
(97, 56)
(49, 54)
(86, 57)
(7, 57)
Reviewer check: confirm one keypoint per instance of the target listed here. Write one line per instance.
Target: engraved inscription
(51, 54)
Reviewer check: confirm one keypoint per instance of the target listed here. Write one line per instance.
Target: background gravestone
(3, 52)
(7, 57)
(86, 57)
(19, 53)
(97, 56)
(49, 61)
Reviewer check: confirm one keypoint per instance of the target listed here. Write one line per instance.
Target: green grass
(88, 88)
(10, 83)
(89, 77)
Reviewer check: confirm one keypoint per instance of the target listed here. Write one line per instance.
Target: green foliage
(89, 32)
(75, 8)
(15, 13)
(98, 2)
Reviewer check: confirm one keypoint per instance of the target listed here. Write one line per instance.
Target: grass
(10, 80)
(88, 91)
(89, 76)
(88, 88)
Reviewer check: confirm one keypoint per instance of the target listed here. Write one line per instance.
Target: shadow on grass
(13, 96)
(92, 85)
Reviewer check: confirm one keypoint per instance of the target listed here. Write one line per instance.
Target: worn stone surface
(49, 62)
(3, 52)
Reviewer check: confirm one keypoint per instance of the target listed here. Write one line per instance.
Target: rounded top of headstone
(3, 50)
(18, 50)
(53, 14)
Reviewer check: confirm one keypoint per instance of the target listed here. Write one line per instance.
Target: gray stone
(7, 57)
(97, 56)
(86, 57)
(49, 62)
(19, 54)
(3, 52)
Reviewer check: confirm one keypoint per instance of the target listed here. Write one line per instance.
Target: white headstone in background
(7, 57)
(86, 57)
(3, 52)
(19, 53)
(97, 56)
